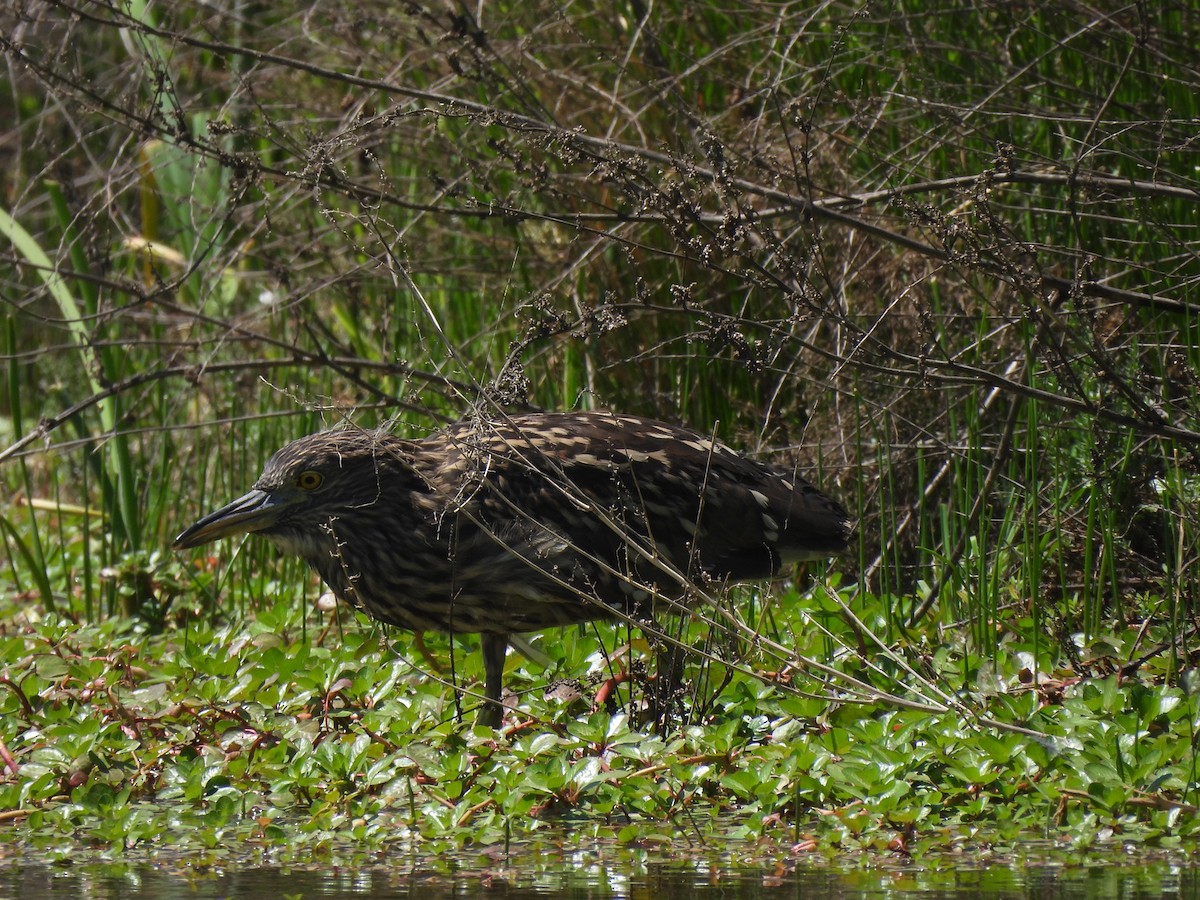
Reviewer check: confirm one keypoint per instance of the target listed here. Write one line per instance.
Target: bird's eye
(309, 480)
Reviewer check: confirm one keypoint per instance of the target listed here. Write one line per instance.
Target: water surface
(1102, 878)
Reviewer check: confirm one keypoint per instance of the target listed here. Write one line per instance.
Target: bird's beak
(253, 511)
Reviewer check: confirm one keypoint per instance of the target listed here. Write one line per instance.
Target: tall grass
(881, 245)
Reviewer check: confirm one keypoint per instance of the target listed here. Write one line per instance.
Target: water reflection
(671, 882)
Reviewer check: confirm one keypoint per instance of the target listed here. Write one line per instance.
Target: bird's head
(305, 485)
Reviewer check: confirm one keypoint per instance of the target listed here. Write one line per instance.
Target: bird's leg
(666, 689)
(495, 649)
(668, 685)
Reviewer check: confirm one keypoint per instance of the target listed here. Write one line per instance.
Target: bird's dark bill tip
(189, 538)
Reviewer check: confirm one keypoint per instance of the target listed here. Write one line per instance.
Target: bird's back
(553, 518)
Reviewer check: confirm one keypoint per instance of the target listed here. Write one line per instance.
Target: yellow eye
(309, 480)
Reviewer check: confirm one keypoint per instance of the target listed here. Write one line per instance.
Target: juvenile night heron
(529, 522)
